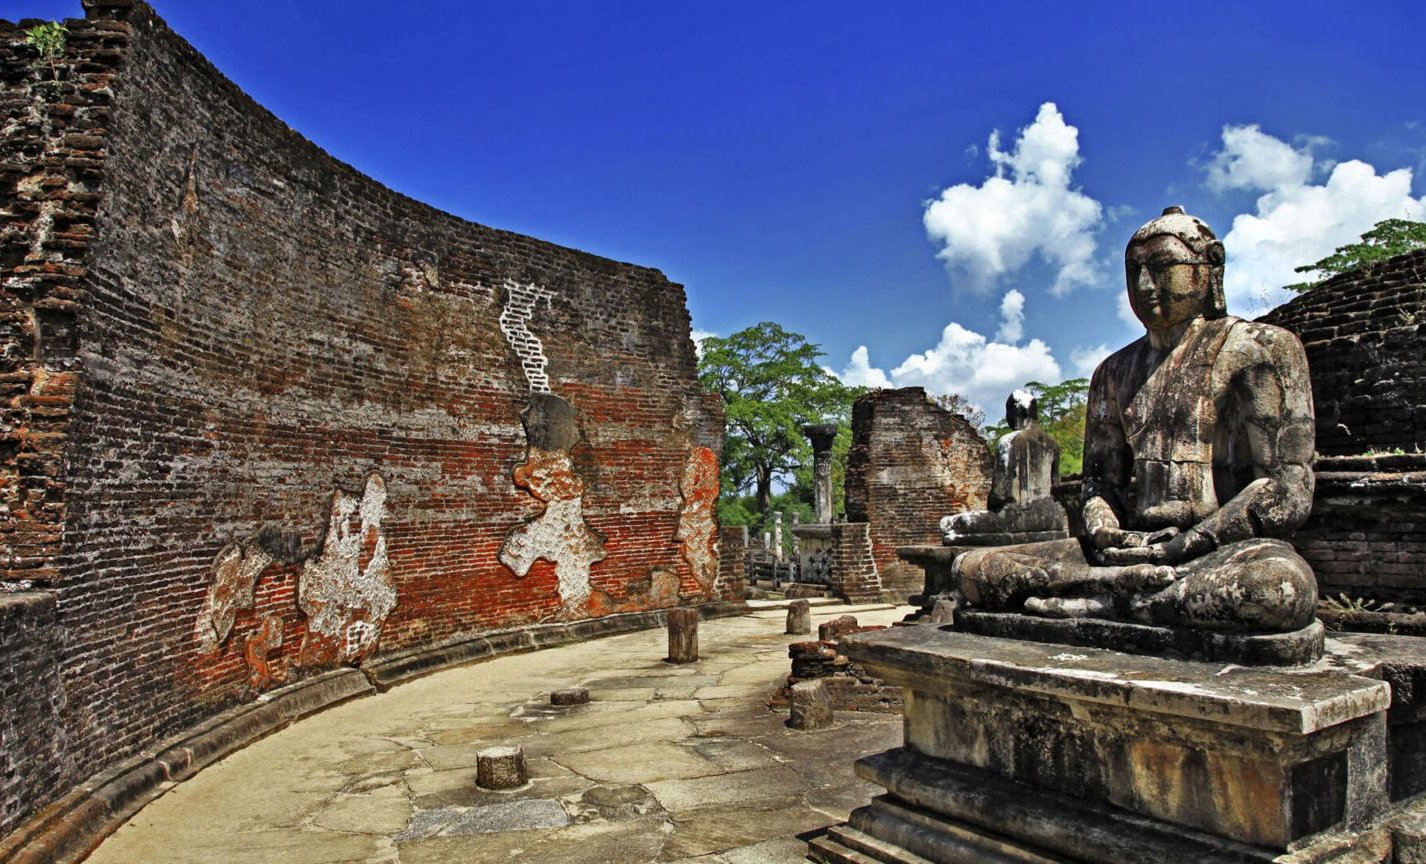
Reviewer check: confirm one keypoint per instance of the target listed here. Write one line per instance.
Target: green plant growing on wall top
(48, 40)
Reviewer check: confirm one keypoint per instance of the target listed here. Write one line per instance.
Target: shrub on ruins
(48, 40)
(772, 385)
(1063, 409)
(1388, 238)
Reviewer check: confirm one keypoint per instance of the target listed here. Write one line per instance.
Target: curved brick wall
(1365, 335)
(263, 415)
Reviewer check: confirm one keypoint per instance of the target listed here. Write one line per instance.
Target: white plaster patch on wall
(347, 591)
(235, 572)
(520, 304)
(559, 534)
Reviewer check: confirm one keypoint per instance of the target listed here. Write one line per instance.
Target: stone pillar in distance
(821, 435)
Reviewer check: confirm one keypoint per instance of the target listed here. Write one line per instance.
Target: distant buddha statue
(1198, 450)
(1027, 466)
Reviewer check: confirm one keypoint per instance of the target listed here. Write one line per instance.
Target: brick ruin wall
(1365, 337)
(1364, 333)
(262, 415)
(911, 462)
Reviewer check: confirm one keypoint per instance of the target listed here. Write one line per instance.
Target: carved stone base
(1296, 648)
(944, 812)
(1023, 751)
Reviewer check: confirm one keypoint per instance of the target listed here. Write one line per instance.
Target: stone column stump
(500, 768)
(811, 704)
(570, 696)
(682, 635)
(799, 617)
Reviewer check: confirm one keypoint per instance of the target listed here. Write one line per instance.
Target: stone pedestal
(1023, 751)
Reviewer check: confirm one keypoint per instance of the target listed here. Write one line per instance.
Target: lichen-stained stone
(697, 521)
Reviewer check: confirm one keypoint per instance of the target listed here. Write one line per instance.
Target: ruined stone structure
(911, 463)
(1365, 337)
(265, 418)
(1363, 333)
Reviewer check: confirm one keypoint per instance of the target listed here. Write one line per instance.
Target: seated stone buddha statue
(1198, 451)
(1027, 466)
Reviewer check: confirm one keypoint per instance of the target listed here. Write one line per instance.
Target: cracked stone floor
(666, 763)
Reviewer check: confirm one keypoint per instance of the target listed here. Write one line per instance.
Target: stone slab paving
(666, 763)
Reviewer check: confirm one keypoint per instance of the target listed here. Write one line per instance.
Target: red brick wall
(911, 463)
(234, 329)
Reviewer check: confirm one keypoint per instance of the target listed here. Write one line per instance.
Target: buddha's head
(1020, 409)
(1174, 270)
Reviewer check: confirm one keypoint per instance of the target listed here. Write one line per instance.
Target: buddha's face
(1168, 283)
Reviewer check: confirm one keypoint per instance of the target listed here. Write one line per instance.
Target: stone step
(843, 844)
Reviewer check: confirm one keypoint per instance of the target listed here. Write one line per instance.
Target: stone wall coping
(935, 660)
(815, 531)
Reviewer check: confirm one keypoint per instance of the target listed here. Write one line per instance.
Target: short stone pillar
(570, 696)
(822, 435)
(682, 635)
(500, 768)
(811, 704)
(799, 617)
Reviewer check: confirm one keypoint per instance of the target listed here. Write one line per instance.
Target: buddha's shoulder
(1261, 341)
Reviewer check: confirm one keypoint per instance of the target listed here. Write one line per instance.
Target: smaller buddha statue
(1027, 465)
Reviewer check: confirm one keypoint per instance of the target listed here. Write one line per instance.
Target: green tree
(1387, 238)
(1063, 409)
(771, 386)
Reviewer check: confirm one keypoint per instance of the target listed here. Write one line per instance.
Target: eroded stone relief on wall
(345, 588)
(559, 534)
(697, 522)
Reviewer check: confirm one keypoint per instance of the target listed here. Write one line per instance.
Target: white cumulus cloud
(1296, 221)
(1012, 317)
(698, 337)
(982, 370)
(1086, 360)
(1028, 208)
(860, 372)
(1252, 159)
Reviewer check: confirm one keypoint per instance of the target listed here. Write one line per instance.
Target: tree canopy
(771, 386)
(1386, 239)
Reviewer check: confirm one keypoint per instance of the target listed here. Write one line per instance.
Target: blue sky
(783, 160)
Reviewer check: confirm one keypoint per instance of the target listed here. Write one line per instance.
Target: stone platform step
(843, 844)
